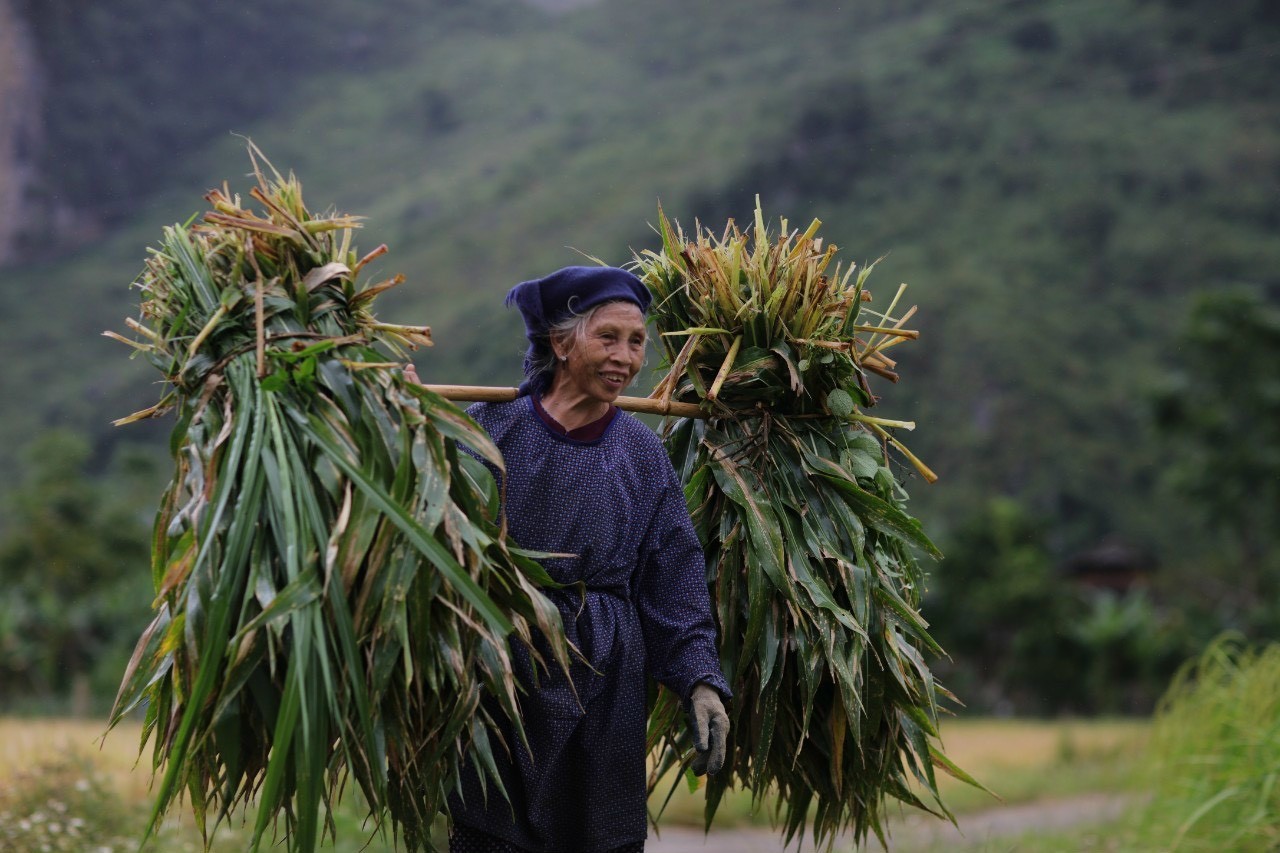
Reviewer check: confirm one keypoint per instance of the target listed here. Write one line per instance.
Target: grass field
(58, 770)
(1019, 760)
(28, 743)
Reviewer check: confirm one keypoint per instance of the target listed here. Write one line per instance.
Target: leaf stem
(725, 368)
(925, 470)
(880, 422)
(214, 319)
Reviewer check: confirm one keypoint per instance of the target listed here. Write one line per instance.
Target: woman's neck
(572, 409)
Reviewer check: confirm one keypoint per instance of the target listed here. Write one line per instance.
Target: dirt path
(914, 834)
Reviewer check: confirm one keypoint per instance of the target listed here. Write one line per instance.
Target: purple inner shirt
(587, 432)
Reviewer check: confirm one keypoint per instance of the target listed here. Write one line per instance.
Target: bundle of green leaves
(810, 552)
(334, 594)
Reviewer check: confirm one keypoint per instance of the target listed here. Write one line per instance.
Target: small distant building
(1112, 565)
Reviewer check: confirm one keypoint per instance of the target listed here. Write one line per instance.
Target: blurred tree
(1023, 638)
(999, 610)
(77, 590)
(1219, 413)
(1131, 649)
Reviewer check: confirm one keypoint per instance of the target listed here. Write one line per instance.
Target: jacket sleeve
(672, 599)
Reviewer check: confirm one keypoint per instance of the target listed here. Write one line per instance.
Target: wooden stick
(651, 406)
(644, 405)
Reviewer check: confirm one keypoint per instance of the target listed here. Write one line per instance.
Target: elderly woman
(586, 479)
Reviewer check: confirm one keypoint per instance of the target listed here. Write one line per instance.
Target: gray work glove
(710, 725)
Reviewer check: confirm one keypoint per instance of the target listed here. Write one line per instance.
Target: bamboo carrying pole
(644, 405)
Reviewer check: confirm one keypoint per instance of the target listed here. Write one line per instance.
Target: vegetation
(1208, 772)
(1023, 637)
(63, 803)
(1219, 417)
(43, 759)
(334, 594)
(809, 554)
(61, 789)
(74, 599)
(1215, 749)
(110, 141)
(1081, 195)
(1060, 183)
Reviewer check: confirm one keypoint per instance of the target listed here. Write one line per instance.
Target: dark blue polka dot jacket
(617, 505)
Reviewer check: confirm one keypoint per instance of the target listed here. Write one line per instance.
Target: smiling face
(602, 360)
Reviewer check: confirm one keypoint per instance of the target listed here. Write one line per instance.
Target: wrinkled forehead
(620, 315)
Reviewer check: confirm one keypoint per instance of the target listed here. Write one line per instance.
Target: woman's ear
(560, 347)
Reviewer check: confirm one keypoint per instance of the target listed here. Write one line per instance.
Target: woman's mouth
(614, 380)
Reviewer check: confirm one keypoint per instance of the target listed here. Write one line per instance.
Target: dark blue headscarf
(543, 302)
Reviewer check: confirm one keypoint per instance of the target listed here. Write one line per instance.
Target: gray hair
(573, 327)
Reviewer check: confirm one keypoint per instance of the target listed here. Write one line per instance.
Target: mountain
(1054, 181)
(20, 125)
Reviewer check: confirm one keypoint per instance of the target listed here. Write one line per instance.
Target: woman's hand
(710, 726)
(411, 373)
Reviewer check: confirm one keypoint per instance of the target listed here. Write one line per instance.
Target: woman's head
(563, 309)
(598, 353)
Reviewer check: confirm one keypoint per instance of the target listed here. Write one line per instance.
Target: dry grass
(1020, 744)
(25, 743)
(110, 793)
(1021, 760)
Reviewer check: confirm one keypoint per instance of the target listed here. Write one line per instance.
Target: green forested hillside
(1053, 180)
(134, 86)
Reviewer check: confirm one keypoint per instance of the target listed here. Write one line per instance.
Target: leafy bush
(1026, 639)
(74, 571)
(1219, 416)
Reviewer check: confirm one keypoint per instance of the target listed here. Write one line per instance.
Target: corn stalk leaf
(810, 550)
(334, 591)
